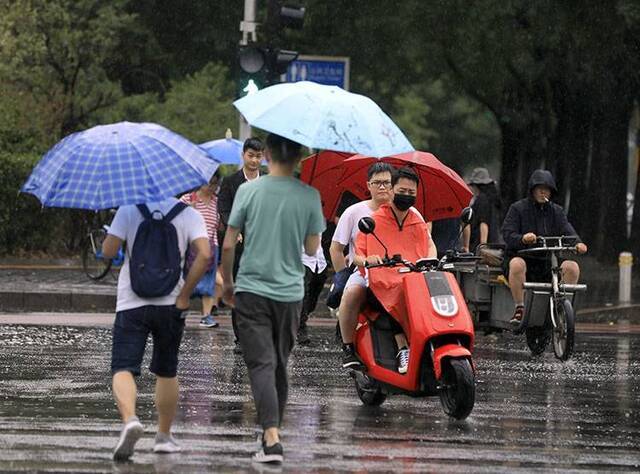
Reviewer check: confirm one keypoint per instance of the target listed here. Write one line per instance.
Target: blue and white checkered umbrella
(123, 163)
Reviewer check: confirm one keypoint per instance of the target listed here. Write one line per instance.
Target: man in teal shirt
(279, 214)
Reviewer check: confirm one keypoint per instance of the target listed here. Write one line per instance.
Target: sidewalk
(54, 286)
(61, 286)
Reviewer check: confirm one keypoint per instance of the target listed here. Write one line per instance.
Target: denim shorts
(131, 330)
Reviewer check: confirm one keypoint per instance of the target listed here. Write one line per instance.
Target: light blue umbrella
(324, 117)
(123, 163)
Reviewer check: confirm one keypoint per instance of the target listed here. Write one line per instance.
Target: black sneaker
(269, 454)
(303, 337)
(350, 360)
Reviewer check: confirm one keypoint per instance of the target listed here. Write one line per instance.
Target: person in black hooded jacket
(527, 219)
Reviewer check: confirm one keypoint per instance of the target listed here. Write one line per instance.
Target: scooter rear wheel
(538, 339)
(458, 393)
(371, 393)
(564, 332)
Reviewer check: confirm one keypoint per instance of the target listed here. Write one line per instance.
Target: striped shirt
(208, 211)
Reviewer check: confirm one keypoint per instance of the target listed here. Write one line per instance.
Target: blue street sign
(327, 70)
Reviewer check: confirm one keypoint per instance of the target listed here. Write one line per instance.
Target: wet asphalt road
(531, 414)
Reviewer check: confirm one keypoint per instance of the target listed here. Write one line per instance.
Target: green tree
(174, 39)
(55, 52)
(199, 107)
(561, 91)
(453, 127)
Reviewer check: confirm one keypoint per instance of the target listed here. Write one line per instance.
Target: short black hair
(253, 143)
(379, 167)
(282, 149)
(406, 173)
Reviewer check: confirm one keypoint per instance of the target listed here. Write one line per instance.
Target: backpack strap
(144, 210)
(175, 210)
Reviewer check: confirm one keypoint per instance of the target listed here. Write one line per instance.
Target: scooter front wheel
(564, 330)
(369, 391)
(458, 391)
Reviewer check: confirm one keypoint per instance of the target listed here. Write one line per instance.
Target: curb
(58, 301)
(14, 301)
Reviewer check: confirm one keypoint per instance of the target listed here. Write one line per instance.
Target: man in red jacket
(404, 231)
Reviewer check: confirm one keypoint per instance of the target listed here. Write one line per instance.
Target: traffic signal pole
(248, 29)
(262, 65)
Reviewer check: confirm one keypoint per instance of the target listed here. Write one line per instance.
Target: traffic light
(280, 17)
(278, 61)
(289, 16)
(252, 61)
(261, 67)
(261, 64)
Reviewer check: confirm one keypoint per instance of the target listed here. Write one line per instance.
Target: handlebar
(386, 262)
(424, 264)
(552, 244)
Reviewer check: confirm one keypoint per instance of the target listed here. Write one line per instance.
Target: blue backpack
(155, 260)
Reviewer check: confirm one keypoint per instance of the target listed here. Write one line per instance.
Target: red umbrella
(442, 193)
(322, 171)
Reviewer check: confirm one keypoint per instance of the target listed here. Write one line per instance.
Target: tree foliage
(512, 85)
(54, 53)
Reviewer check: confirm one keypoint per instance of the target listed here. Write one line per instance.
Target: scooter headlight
(445, 305)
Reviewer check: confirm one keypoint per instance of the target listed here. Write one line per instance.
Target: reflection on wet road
(57, 414)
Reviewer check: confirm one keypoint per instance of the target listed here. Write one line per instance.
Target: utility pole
(248, 29)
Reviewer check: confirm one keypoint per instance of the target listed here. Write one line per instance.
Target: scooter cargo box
(501, 306)
(475, 290)
(536, 306)
(477, 284)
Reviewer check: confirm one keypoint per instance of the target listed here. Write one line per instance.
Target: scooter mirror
(466, 216)
(366, 225)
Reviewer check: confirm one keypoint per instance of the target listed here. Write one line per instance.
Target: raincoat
(410, 239)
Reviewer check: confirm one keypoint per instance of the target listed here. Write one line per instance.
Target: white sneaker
(129, 436)
(166, 445)
(403, 361)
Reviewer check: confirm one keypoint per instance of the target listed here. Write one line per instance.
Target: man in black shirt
(252, 156)
(527, 219)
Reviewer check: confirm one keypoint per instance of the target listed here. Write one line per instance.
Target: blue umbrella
(112, 165)
(324, 117)
(227, 151)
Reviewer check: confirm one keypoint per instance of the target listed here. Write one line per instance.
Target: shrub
(24, 224)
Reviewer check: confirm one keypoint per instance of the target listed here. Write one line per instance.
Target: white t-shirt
(317, 260)
(347, 227)
(189, 226)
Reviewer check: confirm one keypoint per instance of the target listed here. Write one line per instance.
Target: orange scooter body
(432, 312)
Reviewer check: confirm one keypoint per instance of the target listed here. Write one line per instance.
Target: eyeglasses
(380, 184)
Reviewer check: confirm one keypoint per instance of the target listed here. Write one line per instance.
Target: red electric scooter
(437, 325)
